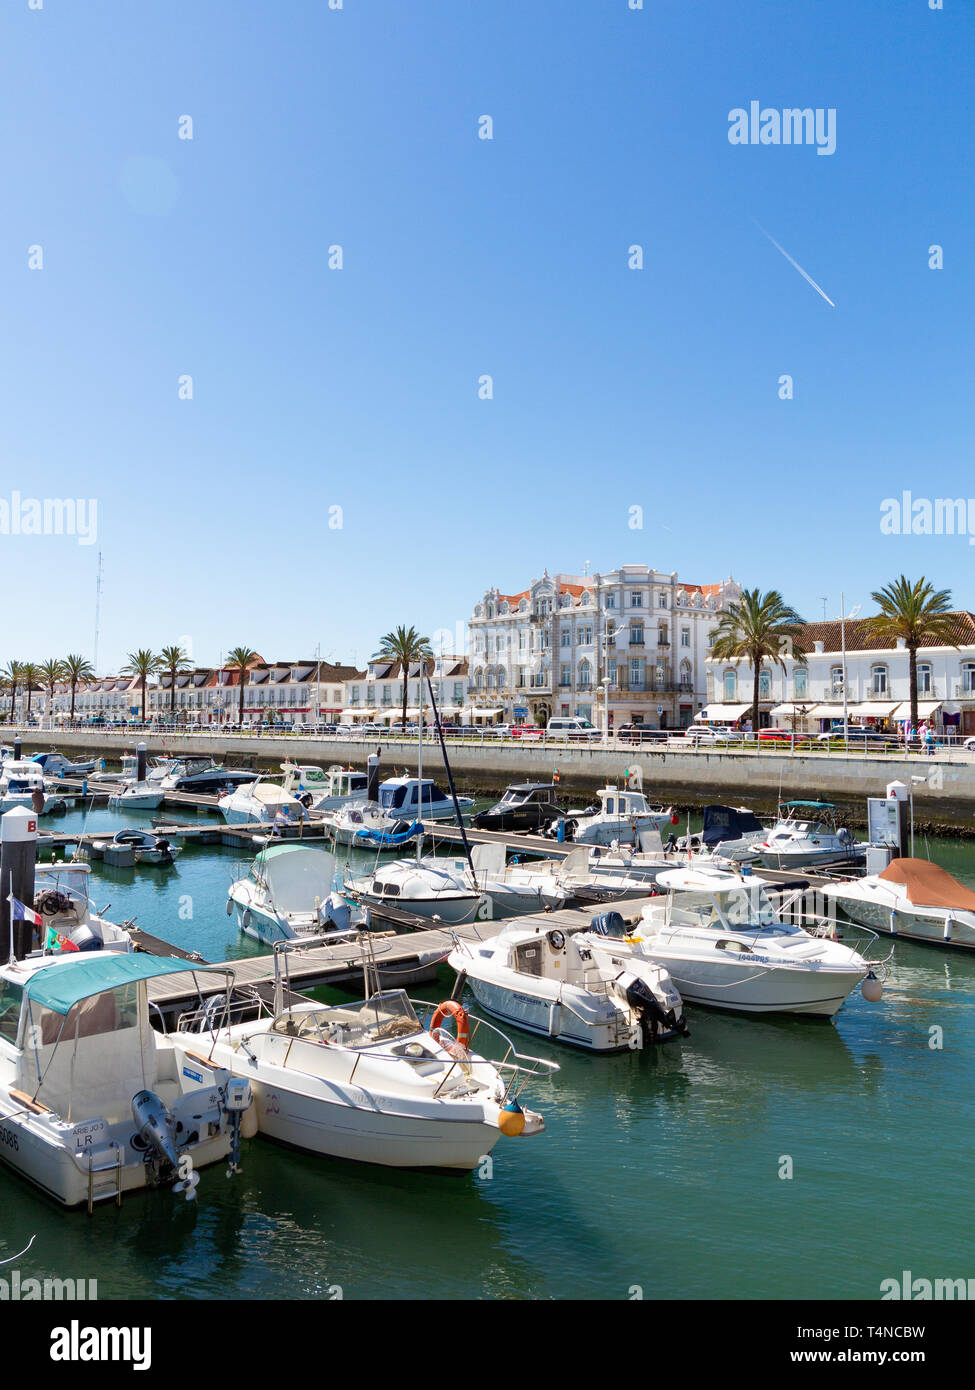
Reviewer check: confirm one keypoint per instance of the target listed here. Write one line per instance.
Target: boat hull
(913, 924)
(546, 1018)
(817, 993)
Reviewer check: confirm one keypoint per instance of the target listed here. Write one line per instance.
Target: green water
(658, 1169)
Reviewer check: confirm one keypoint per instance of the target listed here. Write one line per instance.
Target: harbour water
(658, 1175)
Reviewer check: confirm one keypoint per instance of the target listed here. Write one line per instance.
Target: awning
(871, 709)
(358, 713)
(60, 989)
(723, 711)
(826, 712)
(925, 709)
(482, 713)
(790, 711)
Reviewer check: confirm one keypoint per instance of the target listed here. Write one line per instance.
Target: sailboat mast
(450, 779)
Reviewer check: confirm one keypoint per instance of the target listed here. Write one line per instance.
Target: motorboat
(912, 898)
(156, 770)
(202, 774)
(727, 946)
(806, 835)
(325, 791)
(366, 826)
(56, 764)
(22, 783)
(369, 1081)
(525, 806)
(62, 897)
(621, 817)
(93, 1101)
(453, 892)
(148, 847)
(289, 892)
(137, 796)
(400, 798)
(261, 802)
(570, 987)
(729, 832)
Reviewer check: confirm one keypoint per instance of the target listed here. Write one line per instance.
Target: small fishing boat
(806, 834)
(137, 796)
(259, 802)
(401, 799)
(366, 826)
(368, 1080)
(289, 892)
(570, 987)
(149, 848)
(55, 764)
(621, 817)
(93, 1101)
(22, 784)
(912, 898)
(728, 832)
(525, 806)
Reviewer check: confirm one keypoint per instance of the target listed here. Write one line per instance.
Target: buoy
(871, 989)
(511, 1120)
(674, 818)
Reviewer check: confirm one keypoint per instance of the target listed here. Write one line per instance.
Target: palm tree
(77, 670)
(30, 675)
(12, 675)
(143, 664)
(404, 645)
(49, 673)
(918, 613)
(759, 627)
(239, 660)
(172, 660)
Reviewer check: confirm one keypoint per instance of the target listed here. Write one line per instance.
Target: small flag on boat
(56, 942)
(20, 913)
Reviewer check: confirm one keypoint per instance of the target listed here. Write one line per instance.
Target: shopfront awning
(358, 713)
(788, 711)
(826, 711)
(925, 709)
(725, 712)
(871, 709)
(483, 713)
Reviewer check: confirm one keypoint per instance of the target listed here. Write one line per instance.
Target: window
(636, 634)
(636, 600)
(764, 685)
(836, 680)
(968, 677)
(878, 680)
(731, 685)
(924, 679)
(636, 672)
(662, 601)
(685, 637)
(521, 641)
(585, 675)
(585, 636)
(610, 600)
(566, 637)
(799, 683)
(564, 678)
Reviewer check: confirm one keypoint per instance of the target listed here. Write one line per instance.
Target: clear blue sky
(357, 388)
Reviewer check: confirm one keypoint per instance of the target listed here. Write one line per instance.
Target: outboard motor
(654, 1013)
(337, 912)
(155, 1126)
(84, 939)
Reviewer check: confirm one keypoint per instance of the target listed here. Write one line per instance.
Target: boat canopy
(295, 876)
(928, 885)
(810, 805)
(61, 987)
(727, 823)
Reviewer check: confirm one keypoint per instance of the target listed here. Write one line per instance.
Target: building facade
(376, 694)
(808, 695)
(625, 647)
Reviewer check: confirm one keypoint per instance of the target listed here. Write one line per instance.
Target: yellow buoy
(511, 1120)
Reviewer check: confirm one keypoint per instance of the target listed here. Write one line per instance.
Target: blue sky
(357, 388)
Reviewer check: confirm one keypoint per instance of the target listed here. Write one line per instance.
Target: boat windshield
(381, 1019)
(738, 907)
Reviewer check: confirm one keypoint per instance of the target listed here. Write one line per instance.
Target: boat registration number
(85, 1135)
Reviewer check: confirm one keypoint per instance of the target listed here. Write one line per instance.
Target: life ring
(459, 1014)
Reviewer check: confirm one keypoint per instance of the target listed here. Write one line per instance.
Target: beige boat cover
(928, 885)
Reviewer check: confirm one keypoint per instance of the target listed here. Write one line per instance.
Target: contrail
(796, 264)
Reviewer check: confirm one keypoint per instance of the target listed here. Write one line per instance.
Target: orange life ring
(459, 1014)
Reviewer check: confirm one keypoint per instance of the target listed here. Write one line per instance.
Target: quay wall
(945, 800)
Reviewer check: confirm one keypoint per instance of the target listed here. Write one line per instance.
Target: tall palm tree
(30, 674)
(239, 660)
(49, 673)
(918, 613)
(172, 660)
(404, 645)
(12, 675)
(143, 664)
(78, 670)
(759, 627)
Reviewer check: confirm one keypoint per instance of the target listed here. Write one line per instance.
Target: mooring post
(18, 853)
(372, 777)
(140, 762)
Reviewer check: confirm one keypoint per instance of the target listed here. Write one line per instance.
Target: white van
(571, 730)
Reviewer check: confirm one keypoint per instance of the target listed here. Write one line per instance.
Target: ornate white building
(636, 639)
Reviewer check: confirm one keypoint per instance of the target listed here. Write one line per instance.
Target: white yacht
(93, 1101)
(621, 817)
(62, 896)
(570, 987)
(806, 835)
(448, 891)
(261, 802)
(22, 784)
(137, 796)
(369, 1081)
(327, 791)
(725, 946)
(400, 798)
(202, 774)
(288, 892)
(912, 898)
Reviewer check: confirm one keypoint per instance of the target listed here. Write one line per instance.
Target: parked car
(571, 730)
(703, 733)
(531, 733)
(639, 733)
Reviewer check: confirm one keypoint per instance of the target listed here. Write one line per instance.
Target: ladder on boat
(105, 1180)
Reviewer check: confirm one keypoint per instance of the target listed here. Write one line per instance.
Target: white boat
(149, 848)
(365, 826)
(261, 802)
(621, 817)
(570, 987)
(137, 796)
(55, 764)
(912, 898)
(156, 770)
(400, 799)
(725, 946)
(806, 835)
(288, 893)
(62, 896)
(325, 791)
(368, 1081)
(22, 784)
(93, 1101)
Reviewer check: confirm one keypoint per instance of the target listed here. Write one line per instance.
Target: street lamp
(604, 684)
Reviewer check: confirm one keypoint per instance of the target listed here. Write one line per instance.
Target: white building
(376, 695)
(635, 638)
(808, 695)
